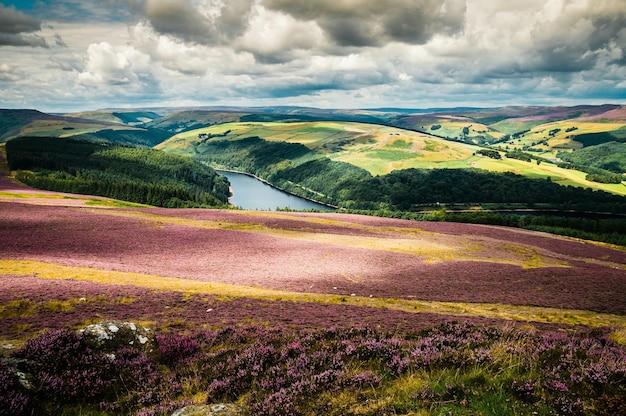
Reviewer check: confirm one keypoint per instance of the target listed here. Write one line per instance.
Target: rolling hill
(18, 123)
(377, 149)
(391, 316)
(276, 313)
(377, 140)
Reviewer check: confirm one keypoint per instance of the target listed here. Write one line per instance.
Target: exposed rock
(109, 336)
(221, 409)
(25, 380)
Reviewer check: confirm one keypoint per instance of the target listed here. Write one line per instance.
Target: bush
(13, 399)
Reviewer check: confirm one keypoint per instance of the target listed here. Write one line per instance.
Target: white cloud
(116, 66)
(310, 52)
(277, 37)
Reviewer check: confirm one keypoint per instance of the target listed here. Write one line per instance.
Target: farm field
(563, 136)
(378, 149)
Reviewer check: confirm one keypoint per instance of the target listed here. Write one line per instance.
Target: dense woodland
(132, 174)
(609, 156)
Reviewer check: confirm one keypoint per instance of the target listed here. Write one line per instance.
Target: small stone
(221, 409)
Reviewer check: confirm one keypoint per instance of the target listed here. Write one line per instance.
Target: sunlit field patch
(324, 253)
(191, 287)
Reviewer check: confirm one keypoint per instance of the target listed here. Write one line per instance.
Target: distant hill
(17, 123)
(374, 167)
(528, 141)
(375, 148)
(129, 117)
(14, 123)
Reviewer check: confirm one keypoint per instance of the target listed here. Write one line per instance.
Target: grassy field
(381, 149)
(564, 139)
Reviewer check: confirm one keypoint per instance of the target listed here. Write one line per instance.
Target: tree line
(127, 173)
(295, 167)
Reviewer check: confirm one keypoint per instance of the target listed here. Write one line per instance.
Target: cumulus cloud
(574, 38)
(274, 37)
(319, 52)
(561, 36)
(209, 22)
(361, 23)
(16, 28)
(9, 73)
(169, 52)
(117, 66)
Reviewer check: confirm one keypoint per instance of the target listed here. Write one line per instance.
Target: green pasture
(452, 128)
(63, 128)
(563, 139)
(544, 171)
(381, 149)
(512, 125)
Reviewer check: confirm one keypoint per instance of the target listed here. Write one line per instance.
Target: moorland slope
(310, 312)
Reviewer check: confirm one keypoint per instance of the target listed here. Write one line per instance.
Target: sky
(73, 55)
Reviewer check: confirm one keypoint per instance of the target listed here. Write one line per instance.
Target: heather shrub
(13, 400)
(177, 349)
(66, 370)
(451, 368)
(65, 367)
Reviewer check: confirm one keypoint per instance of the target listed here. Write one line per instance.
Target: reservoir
(253, 194)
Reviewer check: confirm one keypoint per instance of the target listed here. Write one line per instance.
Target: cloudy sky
(66, 55)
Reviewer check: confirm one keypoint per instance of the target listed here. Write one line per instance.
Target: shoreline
(276, 187)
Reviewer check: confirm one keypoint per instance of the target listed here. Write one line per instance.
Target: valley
(432, 302)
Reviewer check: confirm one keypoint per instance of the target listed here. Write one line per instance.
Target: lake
(253, 194)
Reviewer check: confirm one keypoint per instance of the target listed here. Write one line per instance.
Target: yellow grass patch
(489, 310)
(432, 247)
(17, 308)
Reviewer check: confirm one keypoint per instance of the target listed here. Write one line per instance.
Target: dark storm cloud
(187, 21)
(374, 22)
(179, 19)
(16, 28)
(575, 41)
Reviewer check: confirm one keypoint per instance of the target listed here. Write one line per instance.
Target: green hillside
(377, 149)
(145, 176)
(130, 117)
(17, 123)
(134, 137)
(363, 166)
(610, 156)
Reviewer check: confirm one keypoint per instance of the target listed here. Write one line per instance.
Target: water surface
(251, 193)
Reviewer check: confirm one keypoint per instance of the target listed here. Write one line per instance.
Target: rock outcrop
(221, 409)
(109, 336)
